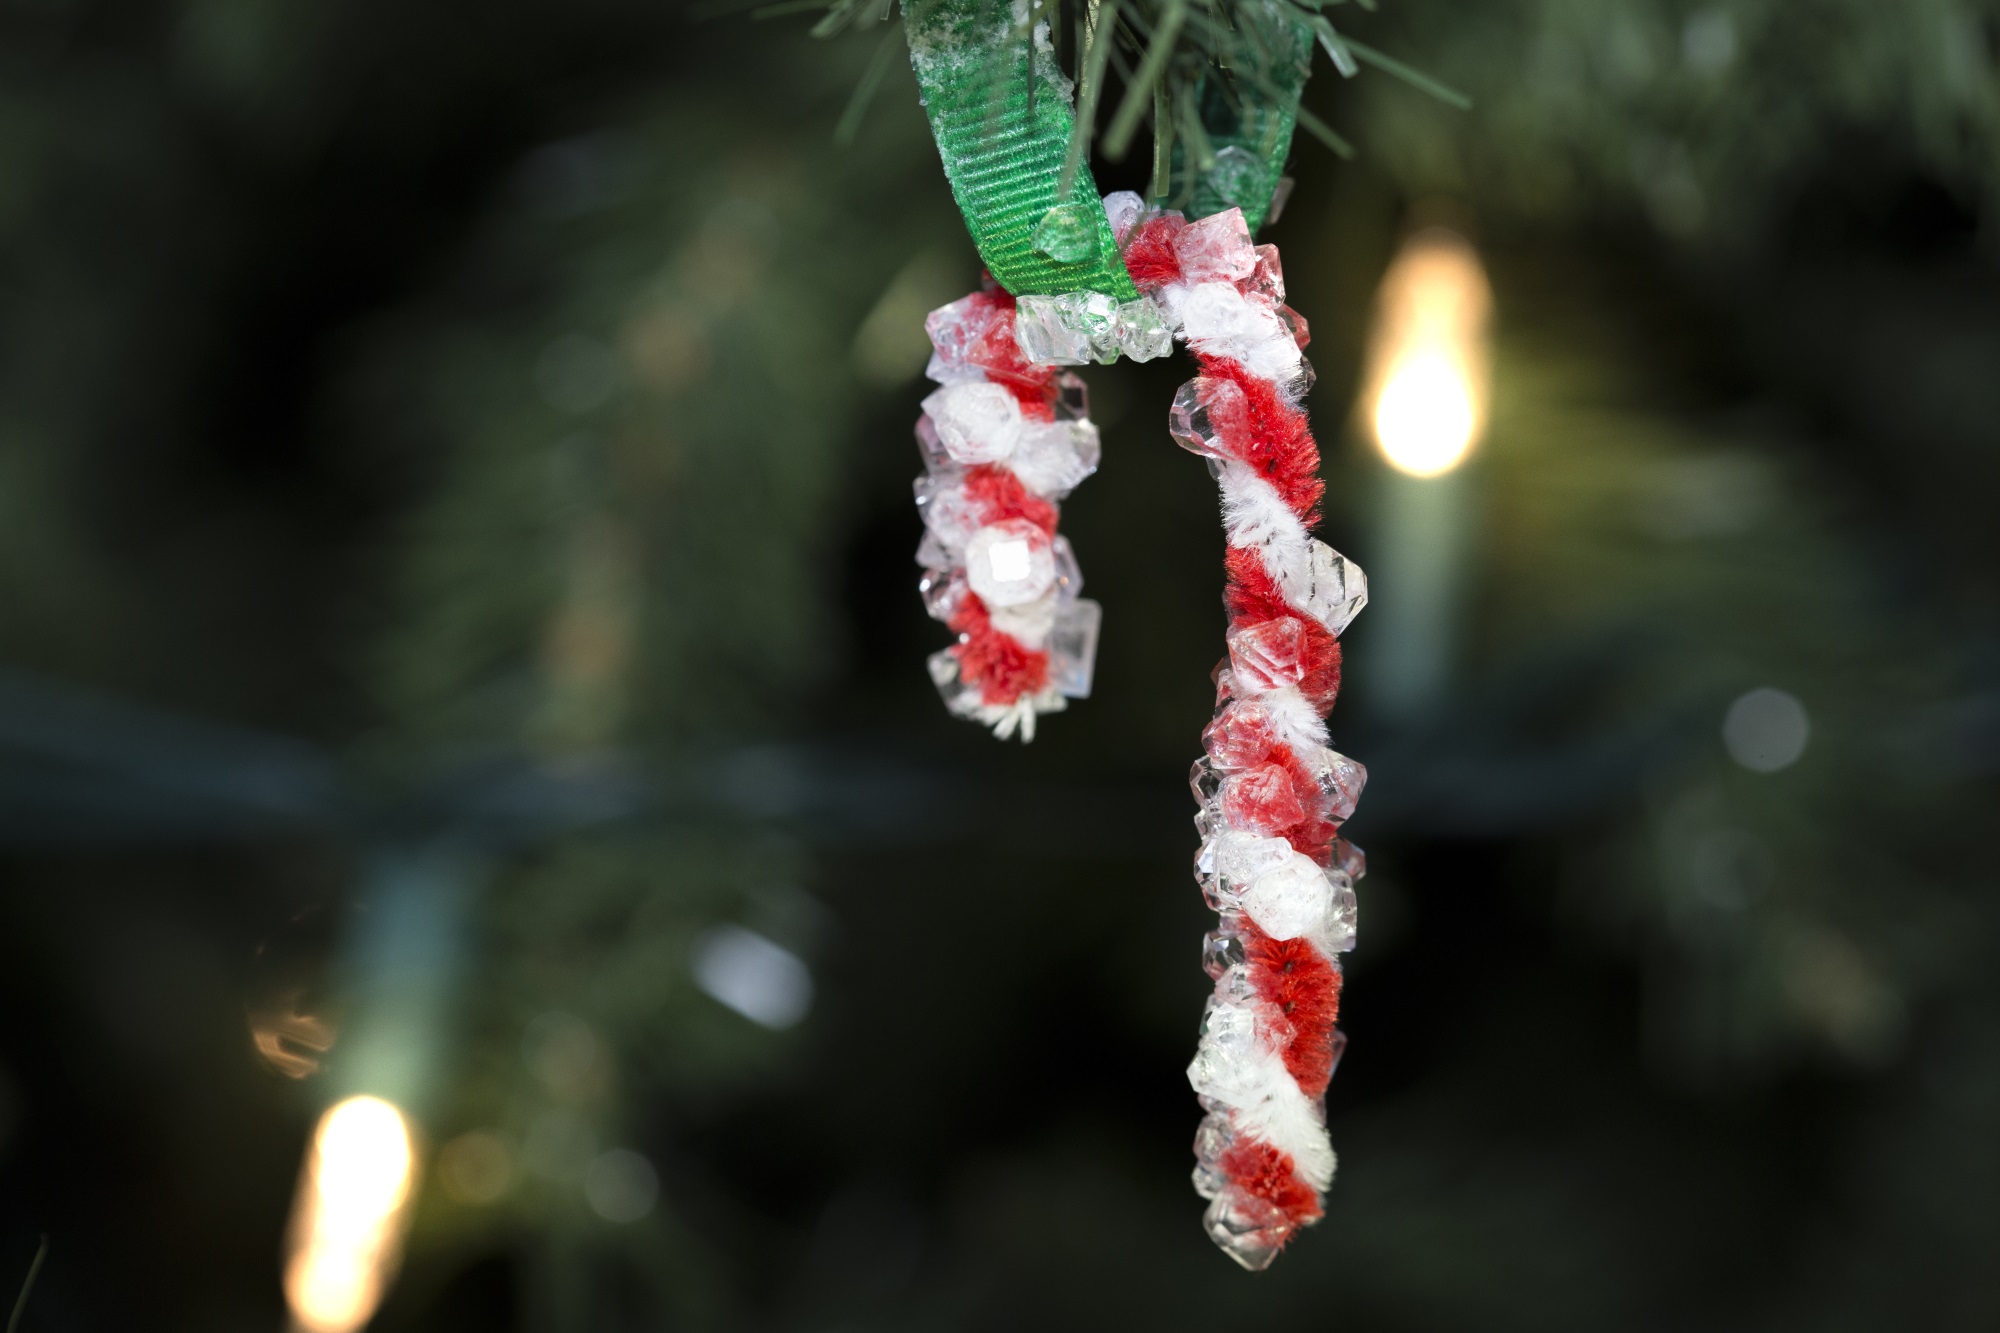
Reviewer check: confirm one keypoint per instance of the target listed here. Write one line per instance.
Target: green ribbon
(1250, 134)
(1000, 111)
(1003, 143)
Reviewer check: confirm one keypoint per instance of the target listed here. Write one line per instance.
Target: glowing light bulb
(1429, 367)
(347, 1223)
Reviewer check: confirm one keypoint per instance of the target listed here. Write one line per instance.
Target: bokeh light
(1429, 360)
(347, 1227)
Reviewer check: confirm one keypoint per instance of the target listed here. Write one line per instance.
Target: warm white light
(347, 1223)
(1429, 371)
(1425, 416)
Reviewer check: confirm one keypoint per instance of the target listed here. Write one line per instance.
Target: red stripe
(1000, 496)
(1259, 1169)
(1298, 979)
(1001, 666)
(1271, 436)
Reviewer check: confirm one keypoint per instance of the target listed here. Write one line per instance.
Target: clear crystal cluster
(1073, 328)
(1004, 439)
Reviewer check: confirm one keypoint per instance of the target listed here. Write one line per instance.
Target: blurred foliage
(524, 390)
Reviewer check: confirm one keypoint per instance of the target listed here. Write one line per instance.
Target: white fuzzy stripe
(1220, 321)
(1264, 1103)
(1296, 721)
(1258, 519)
(1256, 515)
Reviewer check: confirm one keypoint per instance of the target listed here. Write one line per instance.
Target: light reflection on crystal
(1010, 563)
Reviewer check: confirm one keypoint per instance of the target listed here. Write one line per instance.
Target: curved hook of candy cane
(1004, 440)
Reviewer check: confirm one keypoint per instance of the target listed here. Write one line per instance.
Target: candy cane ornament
(1008, 436)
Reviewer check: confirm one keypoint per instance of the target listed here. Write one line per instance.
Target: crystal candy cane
(1003, 441)
(1272, 794)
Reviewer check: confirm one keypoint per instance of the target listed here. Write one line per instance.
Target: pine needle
(1323, 132)
(1415, 78)
(1158, 52)
(864, 91)
(765, 11)
(1335, 47)
(28, 1285)
(1090, 83)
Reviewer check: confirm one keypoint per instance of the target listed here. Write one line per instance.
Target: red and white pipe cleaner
(1003, 441)
(1272, 794)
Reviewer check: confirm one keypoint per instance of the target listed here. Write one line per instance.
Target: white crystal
(1226, 1064)
(1029, 623)
(1330, 588)
(1123, 209)
(947, 511)
(931, 553)
(1268, 279)
(1191, 420)
(932, 448)
(1221, 949)
(942, 590)
(958, 696)
(1290, 899)
(1053, 457)
(1072, 397)
(1073, 647)
(1335, 932)
(1069, 575)
(1216, 248)
(1221, 321)
(1211, 1141)
(976, 423)
(1010, 562)
(1238, 860)
(1233, 986)
(1340, 781)
(956, 333)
